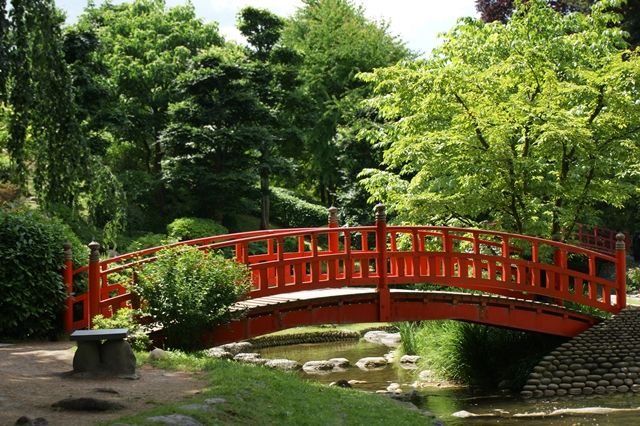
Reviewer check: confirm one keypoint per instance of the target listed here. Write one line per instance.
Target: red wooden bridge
(369, 273)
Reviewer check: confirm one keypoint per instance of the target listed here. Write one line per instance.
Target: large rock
(382, 338)
(318, 367)
(340, 362)
(237, 347)
(219, 352)
(250, 358)
(372, 363)
(283, 364)
(175, 419)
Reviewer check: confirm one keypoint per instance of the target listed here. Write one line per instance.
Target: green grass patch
(257, 395)
(477, 355)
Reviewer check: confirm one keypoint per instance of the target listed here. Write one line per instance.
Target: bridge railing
(283, 261)
(600, 239)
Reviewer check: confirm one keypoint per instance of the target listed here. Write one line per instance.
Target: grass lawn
(257, 395)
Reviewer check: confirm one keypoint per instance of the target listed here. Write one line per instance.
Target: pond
(444, 401)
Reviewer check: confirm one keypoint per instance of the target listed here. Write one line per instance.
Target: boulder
(175, 419)
(218, 352)
(318, 367)
(283, 364)
(340, 362)
(157, 353)
(371, 363)
(342, 383)
(237, 347)
(117, 357)
(250, 358)
(410, 359)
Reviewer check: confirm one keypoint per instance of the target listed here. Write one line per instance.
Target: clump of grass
(480, 355)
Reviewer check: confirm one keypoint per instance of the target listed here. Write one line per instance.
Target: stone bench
(104, 352)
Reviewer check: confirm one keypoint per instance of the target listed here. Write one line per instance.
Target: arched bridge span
(369, 273)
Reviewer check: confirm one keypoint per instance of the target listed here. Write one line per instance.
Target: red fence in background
(290, 260)
(600, 239)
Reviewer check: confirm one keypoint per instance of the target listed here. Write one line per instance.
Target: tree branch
(476, 126)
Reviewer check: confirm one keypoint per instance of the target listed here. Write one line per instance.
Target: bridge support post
(621, 271)
(68, 282)
(384, 295)
(94, 280)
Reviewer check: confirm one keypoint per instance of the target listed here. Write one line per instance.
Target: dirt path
(32, 377)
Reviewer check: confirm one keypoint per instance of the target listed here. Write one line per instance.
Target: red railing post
(621, 271)
(334, 245)
(67, 276)
(94, 280)
(333, 223)
(384, 296)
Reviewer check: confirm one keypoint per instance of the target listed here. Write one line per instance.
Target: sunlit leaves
(529, 124)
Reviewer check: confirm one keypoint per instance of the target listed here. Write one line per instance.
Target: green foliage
(148, 240)
(479, 355)
(337, 41)
(633, 279)
(189, 228)
(33, 294)
(125, 318)
(131, 71)
(189, 290)
(292, 212)
(533, 124)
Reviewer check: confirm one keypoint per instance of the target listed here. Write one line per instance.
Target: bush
(125, 318)
(633, 279)
(189, 228)
(147, 241)
(190, 291)
(292, 212)
(33, 293)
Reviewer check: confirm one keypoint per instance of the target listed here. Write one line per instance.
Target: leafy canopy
(530, 124)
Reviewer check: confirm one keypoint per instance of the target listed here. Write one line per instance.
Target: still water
(443, 402)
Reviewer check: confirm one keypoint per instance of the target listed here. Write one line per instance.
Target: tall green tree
(145, 47)
(337, 41)
(530, 124)
(274, 74)
(212, 143)
(43, 141)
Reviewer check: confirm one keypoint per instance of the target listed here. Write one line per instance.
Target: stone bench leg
(118, 358)
(87, 357)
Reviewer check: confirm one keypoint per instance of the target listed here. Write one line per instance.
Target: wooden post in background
(94, 280)
(68, 283)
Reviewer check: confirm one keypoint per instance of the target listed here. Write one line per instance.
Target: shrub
(633, 279)
(293, 212)
(189, 291)
(33, 293)
(125, 318)
(147, 241)
(189, 228)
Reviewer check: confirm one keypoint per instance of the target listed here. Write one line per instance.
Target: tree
(274, 73)
(337, 41)
(211, 144)
(524, 124)
(43, 141)
(145, 47)
(501, 10)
